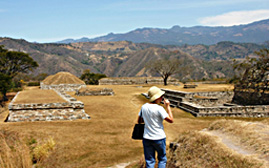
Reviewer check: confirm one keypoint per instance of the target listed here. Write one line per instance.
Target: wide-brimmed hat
(154, 93)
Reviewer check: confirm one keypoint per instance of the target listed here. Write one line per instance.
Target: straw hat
(155, 93)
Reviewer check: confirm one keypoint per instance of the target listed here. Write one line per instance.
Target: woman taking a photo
(154, 138)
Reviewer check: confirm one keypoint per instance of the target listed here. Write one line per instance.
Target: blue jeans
(150, 146)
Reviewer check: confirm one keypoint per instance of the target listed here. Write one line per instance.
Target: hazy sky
(54, 20)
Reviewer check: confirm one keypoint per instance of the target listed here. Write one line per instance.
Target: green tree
(12, 63)
(164, 67)
(91, 78)
(5, 85)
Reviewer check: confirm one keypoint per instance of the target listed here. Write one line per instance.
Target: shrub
(33, 84)
(91, 78)
(41, 152)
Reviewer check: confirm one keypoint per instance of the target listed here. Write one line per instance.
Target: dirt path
(230, 143)
(121, 165)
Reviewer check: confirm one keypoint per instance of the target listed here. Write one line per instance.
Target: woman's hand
(166, 102)
(170, 117)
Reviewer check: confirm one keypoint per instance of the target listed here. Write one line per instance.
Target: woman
(154, 138)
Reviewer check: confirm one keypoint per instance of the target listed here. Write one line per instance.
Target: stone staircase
(212, 104)
(175, 97)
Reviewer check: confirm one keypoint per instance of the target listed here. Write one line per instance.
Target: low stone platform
(62, 87)
(95, 92)
(224, 111)
(62, 81)
(70, 109)
(202, 104)
(136, 81)
(190, 86)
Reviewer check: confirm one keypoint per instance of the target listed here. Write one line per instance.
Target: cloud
(235, 18)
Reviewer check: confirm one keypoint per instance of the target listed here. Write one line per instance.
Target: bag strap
(140, 119)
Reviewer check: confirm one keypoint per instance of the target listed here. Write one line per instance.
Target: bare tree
(164, 67)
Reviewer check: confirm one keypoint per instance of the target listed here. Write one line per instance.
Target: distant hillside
(128, 59)
(257, 32)
(220, 51)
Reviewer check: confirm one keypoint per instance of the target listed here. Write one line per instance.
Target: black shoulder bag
(138, 130)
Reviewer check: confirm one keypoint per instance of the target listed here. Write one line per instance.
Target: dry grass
(200, 150)
(105, 139)
(252, 135)
(38, 96)
(13, 151)
(42, 151)
(3, 113)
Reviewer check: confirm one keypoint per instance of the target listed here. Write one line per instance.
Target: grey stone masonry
(135, 81)
(202, 104)
(95, 92)
(231, 111)
(201, 98)
(62, 87)
(70, 110)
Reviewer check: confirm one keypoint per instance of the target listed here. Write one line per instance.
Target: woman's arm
(140, 120)
(170, 117)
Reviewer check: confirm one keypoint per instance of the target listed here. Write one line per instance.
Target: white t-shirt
(153, 115)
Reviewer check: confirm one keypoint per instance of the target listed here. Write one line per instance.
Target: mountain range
(256, 32)
(128, 59)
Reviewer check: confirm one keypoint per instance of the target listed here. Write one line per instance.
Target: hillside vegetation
(127, 59)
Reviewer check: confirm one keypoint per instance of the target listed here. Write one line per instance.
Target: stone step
(175, 98)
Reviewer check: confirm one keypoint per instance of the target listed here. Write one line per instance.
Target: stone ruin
(136, 81)
(202, 104)
(62, 81)
(95, 92)
(71, 109)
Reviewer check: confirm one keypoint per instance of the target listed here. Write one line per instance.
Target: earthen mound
(62, 78)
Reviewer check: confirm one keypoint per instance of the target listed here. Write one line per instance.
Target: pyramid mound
(62, 78)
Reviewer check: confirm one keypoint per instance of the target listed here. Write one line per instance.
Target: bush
(41, 152)
(33, 84)
(91, 78)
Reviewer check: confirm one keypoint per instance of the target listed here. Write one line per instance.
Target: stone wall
(250, 98)
(211, 98)
(70, 110)
(62, 87)
(231, 111)
(136, 81)
(95, 92)
(201, 98)
(33, 113)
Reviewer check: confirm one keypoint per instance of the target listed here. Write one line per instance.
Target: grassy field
(105, 139)
(31, 95)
